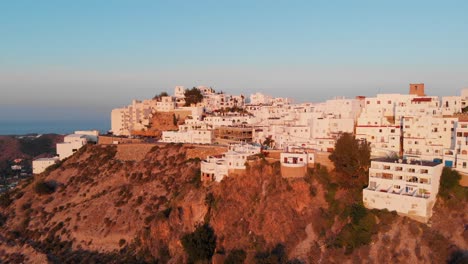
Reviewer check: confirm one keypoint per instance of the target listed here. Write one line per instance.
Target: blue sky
(79, 59)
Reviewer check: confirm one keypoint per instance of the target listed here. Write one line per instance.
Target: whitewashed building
(215, 168)
(71, 144)
(409, 187)
(40, 165)
(189, 136)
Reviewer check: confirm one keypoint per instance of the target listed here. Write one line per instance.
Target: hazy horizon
(78, 60)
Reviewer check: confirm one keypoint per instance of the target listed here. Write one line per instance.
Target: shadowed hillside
(98, 206)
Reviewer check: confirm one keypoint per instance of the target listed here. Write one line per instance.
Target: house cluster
(71, 144)
(215, 168)
(425, 132)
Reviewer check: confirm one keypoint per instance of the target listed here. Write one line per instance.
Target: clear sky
(69, 59)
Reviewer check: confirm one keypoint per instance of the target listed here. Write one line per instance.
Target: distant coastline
(22, 127)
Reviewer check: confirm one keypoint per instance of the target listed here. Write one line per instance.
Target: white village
(412, 136)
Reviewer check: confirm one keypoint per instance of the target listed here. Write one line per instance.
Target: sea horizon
(23, 127)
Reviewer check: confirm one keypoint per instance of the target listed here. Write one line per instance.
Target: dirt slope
(108, 210)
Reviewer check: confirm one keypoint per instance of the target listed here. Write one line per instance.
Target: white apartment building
(418, 107)
(71, 144)
(165, 104)
(40, 165)
(409, 187)
(132, 117)
(384, 140)
(426, 137)
(457, 157)
(189, 136)
(451, 105)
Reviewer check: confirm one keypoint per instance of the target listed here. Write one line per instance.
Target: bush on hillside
(236, 256)
(450, 188)
(45, 187)
(200, 245)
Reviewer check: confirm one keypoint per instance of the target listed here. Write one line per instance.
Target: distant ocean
(57, 127)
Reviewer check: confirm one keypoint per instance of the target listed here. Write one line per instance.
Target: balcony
(412, 179)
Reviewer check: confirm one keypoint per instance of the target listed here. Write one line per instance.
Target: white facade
(215, 168)
(296, 159)
(136, 116)
(384, 140)
(179, 92)
(165, 104)
(260, 99)
(190, 136)
(427, 137)
(40, 165)
(457, 157)
(71, 144)
(408, 187)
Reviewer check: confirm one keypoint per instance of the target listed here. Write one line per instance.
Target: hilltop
(134, 203)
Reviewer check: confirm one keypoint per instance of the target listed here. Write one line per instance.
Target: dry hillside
(102, 206)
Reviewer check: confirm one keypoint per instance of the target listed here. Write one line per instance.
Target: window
(392, 131)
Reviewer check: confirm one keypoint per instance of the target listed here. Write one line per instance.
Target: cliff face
(105, 205)
(161, 121)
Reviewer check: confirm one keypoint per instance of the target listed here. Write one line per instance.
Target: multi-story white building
(384, 139)
(132, 117)
(457, 157)
(71, 144)
(409, 187)
(426, 137)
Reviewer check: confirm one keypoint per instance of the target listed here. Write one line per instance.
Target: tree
(158, 96)
(193, 96)
(268, 142)
(351, 156)
(200, 245)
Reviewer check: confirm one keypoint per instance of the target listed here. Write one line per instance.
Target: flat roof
(46, 159)
(426, 163)
(75, 135)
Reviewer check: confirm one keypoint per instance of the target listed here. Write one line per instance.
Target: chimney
(417, 89)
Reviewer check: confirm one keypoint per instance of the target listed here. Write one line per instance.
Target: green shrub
(276, 255)
(45, 187)
(5, 199)
(450, 188)
(236, 256)
(3, 219)
(200, 245)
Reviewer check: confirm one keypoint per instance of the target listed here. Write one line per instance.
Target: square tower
(417, 89)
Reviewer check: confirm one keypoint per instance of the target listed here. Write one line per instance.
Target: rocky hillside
(101, 206)
(160, 121)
